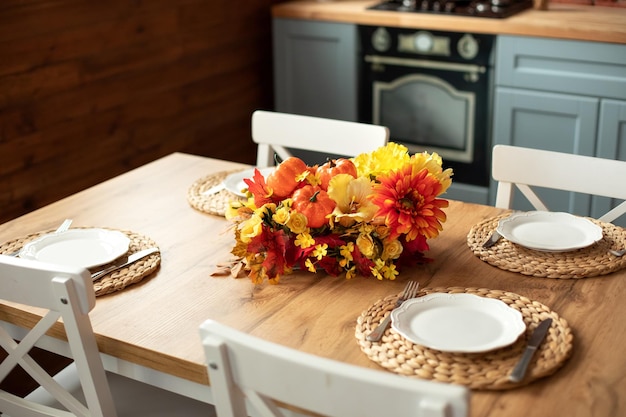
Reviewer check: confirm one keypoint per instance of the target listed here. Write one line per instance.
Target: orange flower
(407, 199)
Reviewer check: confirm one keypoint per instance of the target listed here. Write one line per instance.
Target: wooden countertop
(563, 21)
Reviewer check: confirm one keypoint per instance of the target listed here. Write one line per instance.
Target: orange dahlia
(407, 200)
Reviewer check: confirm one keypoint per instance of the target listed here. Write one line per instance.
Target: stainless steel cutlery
(214, 190)
(410, 291)
(123, 263)
(493, 239)
(62, 228)
(533, 343)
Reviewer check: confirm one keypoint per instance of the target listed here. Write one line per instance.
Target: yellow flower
(366, 245)
(307, 176)
(281, 216)
(251, 228)
(351, 195)
(266, 210)
(309, 265)
(304, 240)
(433, 163)
(297, 223)
(390, 272)
(376, 269)
(313, 179)
(392, 249)
(351, 273)
(237, 211)
(346, 251)
(381, 231)
(320, 251)
(382, 160)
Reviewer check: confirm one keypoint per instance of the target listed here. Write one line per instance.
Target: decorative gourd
(333, 167)
(284, 179)
(314, 203)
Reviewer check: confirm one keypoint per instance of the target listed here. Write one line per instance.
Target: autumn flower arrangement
(369, 215)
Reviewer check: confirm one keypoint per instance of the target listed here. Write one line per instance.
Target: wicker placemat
(114, 281)
(483, 371)
(215, 203)
(588, 262)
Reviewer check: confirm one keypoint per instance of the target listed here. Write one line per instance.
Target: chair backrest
(66, 293)
(243, 367)
(525, 167)
(274, 132)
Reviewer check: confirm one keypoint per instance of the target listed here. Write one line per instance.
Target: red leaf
(259, 188)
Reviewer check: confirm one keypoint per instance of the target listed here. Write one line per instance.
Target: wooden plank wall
(91, 89)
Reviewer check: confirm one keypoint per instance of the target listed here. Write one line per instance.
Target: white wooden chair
(83, 388)
(525, 167)
(274, 132)
(243, 368)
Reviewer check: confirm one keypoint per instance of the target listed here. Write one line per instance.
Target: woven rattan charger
(481, 371)
(588, 262)
(215, 203)
(113, 281)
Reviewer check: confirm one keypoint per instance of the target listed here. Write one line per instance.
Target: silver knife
(535, 340)
(214, 190)
(131, 259)
(493, 239)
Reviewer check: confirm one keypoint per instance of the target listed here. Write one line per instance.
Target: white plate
(458, 322)
(78, 247)
(549, 231)
(234, 182)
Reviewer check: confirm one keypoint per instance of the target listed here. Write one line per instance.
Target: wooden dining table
(149, 330)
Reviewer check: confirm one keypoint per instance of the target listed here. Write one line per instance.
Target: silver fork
(410, 291)
(62, 228)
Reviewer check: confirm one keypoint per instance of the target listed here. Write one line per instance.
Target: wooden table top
(155, 323)
(560, 21)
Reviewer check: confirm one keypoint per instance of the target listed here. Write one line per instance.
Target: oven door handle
(423, 63)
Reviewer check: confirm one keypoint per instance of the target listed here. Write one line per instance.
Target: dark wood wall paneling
(89, 90)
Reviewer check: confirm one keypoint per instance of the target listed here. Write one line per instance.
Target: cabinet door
(315, 68)
(611, 145)
(556, 122)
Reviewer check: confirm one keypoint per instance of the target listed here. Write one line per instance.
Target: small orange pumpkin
(314, 203)
(284, 179)
(334, 167)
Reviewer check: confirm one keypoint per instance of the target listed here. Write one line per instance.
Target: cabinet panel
(611, 145)
(315, 68)
(586, 68)
(555, 122)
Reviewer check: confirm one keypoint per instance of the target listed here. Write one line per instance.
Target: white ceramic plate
(458, 322)
(549, 231)
(78, 247)
(234, 182)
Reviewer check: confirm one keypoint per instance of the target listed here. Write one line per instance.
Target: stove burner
(477, 8)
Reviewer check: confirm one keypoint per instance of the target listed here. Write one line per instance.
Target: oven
(432, 90)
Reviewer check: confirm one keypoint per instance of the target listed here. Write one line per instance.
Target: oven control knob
(424, 41)
(381, 40)
(467, 47)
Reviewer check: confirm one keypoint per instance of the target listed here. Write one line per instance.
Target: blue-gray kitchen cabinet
(561, 95)
(315, 68)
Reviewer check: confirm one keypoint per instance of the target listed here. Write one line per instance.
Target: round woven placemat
(215, 203)
(481, 371)
(113, 281)
(588, 262)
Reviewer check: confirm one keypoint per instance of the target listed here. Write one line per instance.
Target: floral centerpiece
(369, 215)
